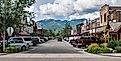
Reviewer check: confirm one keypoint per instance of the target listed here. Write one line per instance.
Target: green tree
(58, 33)
(50, 33)
(66, 31)
(13, 11)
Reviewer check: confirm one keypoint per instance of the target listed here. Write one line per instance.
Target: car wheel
(34, 43)
(74, 45)
(86, 46)
(79, 46)
(23, 48)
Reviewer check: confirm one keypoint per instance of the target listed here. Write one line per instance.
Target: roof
(115, 26)
(115, 7)
(99, 29)
(23, 33)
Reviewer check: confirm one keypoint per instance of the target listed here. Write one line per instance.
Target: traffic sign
(10, 30)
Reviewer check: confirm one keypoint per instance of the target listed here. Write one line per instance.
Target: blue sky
(69, 9)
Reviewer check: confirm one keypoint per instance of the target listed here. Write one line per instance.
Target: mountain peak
(58, 24)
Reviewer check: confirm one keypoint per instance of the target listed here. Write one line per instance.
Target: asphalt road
(53, 46)
(55, 51)
(59, 59)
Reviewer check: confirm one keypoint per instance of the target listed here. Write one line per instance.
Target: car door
(19, 43)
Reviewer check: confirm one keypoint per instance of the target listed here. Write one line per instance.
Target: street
(60, 30)
(55, 51)
(53, 46)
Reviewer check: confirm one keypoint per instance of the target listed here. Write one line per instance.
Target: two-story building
(111, 21)
(107, 27)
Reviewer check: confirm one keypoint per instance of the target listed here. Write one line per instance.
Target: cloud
(70, 9)
(31, 9)
(58, 8)
(91, 15)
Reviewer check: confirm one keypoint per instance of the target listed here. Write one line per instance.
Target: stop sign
(10, 30)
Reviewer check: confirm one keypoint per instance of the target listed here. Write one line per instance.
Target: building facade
(110, 20)
(107, 27)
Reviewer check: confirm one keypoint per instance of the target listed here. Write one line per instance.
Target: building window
(101, 18)
(105, 17)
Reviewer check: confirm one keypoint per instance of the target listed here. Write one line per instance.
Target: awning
(23, 33)
(99, 30)
(115, 26)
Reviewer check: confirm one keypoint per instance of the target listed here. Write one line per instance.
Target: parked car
(37, 39)
(43, 39)
(46, 38)
(66, 38)
(73, 37)
(72, 41)
(59, 39)
(19, 43)
(28, 40)
(85, 41)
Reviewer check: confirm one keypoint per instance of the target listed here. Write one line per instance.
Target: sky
(69, 9)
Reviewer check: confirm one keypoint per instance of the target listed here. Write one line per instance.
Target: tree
(58, 33)
(12, 12)
(50, 33)
(66, 31)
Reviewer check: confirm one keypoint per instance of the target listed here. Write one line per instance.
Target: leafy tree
(58, 33)
(12, 12)
(66, 31)
(50, 33)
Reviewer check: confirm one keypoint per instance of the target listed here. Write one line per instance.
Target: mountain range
(58, 24)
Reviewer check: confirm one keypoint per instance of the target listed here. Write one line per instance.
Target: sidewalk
(1, 54)
(112, 54)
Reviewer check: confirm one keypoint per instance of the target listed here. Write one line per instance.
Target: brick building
(107, 27)
(111, 20)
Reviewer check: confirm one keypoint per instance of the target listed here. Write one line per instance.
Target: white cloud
(91, 15)
(71, 9)
(31, 9)
(75, 16)
(84, 4)
(59, 8)
(88, 16)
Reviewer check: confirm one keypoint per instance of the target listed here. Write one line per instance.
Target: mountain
(58, 24)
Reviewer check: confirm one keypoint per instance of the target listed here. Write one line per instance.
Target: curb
(103, 55)
(110, 55)
(3, 54)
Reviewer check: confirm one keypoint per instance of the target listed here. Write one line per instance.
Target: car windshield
(27, 39)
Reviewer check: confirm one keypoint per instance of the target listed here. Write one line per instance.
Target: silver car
(19, 44)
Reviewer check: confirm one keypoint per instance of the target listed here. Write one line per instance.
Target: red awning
(23, 33)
